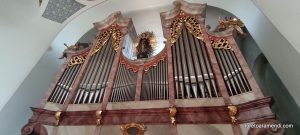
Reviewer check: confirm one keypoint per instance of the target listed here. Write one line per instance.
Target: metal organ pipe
(193, 76)
(154, 84)
(124, 85)
(92, 86)
(234, 77)
(62, 88)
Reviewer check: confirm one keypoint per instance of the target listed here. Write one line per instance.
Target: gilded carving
(220, 43)
(57, 118)
(98, 117)
(77, 60)
(226, 23)
(100, 41)
(139, 127)
(115, 34)
(173, 112)
(191, 24)
(233, 113)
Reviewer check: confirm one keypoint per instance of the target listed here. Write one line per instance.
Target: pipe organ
(155, 84)
(124, 86)
(193, 75)
(92, 86)
(199, 78)
(63, 86)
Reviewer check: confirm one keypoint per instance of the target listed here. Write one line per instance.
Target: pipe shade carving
(191, 24)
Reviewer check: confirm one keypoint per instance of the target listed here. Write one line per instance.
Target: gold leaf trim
(101, 40)
(116, 35)
(191, 24)
(220, 43)
(77, 60)
(116, 38)
(156, 61)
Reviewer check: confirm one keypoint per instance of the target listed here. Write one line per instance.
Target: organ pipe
(92, 86)
(155, 83)
(124, 85)
(63, 87)
(193, 76)
(233, 74)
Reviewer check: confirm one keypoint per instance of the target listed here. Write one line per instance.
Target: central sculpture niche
(145, 45)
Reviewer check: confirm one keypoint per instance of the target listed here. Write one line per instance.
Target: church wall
(284, 106)
(16, 112)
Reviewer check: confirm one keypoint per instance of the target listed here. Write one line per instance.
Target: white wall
(24, 37)
(285, 15)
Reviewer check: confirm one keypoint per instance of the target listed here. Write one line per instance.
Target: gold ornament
(220, 44)
(57, 118)
(191, 24)
(140, 127)
(98, 117)
(173, 112)
(232, 113)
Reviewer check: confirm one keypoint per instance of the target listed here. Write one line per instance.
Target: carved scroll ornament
(77, 59)
(220, 43)
(191, 24)
(114, 32)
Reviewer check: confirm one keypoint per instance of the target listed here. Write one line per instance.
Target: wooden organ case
(198, 84)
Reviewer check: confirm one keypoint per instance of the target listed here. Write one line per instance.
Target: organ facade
(198, 84)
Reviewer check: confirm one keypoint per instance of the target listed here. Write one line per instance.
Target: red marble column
(170, 75)
(139, 81)
(53, 84)
(245, 67)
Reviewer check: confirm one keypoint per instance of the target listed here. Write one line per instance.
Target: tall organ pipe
(124, 85)
(234, 77)
(193, 75)
(94, 81)
(154, 84)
